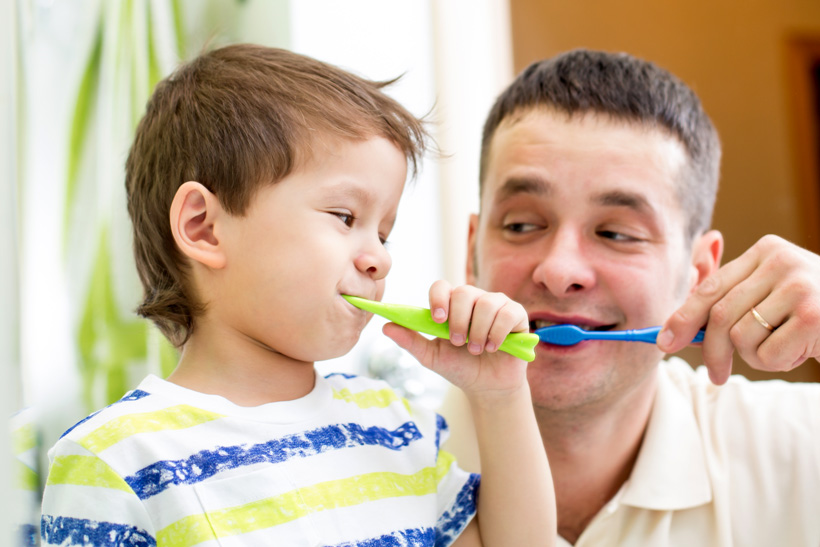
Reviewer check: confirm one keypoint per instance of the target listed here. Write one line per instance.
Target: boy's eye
(347, 218)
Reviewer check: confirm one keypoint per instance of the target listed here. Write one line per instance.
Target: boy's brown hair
(235, 119)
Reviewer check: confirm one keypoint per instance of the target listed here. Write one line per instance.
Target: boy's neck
(245, 373)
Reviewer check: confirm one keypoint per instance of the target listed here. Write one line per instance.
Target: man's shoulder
(696, 381)
(775, 404)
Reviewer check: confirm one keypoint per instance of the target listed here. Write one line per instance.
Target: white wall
(9, 304)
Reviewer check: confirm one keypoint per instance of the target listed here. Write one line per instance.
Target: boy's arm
(85, 502)
(516, 502)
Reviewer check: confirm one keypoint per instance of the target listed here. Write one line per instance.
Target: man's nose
(564, 267)
(373, 259)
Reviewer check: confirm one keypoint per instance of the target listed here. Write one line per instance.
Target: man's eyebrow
(620, 198)
(523, 185)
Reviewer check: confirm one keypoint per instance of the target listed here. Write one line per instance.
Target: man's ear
(472, 267)
(707, 252)
(195, 216)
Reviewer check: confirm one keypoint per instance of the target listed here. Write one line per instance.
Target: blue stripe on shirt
(417, 537)
(58, 530)
(161, 475)
(441, 427)
(27, 535)
(343, 375)
(452, 522)
(134, 395)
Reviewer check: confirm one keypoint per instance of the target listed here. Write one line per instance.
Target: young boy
(262, 186)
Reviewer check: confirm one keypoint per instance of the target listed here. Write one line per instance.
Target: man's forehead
(541, 142)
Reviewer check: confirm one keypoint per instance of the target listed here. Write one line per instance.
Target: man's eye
(520, 227)
(615, 236)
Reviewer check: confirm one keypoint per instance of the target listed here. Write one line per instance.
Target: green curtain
(136, 43)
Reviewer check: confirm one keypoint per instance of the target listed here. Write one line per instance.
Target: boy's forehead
(324, 146)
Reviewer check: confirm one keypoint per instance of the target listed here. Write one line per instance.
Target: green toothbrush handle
(517, 344)
(521, 345)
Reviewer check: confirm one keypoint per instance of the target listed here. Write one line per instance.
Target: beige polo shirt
(737, 465)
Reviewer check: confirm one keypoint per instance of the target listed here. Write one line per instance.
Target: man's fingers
(697, 309)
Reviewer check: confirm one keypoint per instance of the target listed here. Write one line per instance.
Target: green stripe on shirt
(370, 398)
(171, 418)
(289, 506)
(85, 471)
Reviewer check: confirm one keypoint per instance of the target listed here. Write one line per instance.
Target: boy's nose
(563, 268)
(374, 260)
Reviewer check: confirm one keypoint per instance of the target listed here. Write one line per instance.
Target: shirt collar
(670, 472)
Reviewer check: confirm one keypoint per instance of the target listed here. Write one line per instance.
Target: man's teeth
(540, 323)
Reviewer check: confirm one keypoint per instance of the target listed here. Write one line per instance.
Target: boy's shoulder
(147, 397)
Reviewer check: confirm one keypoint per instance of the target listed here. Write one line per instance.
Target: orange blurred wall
(734, 55)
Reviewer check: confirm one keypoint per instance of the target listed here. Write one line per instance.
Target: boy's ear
(707, 251)
(195, 216)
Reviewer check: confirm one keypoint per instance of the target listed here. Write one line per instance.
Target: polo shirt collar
(670, 472)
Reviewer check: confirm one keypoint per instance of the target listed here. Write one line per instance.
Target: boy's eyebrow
(353, 191)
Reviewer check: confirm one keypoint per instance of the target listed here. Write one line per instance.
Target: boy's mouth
(541, 323)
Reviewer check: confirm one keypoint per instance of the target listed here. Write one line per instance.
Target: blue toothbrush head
(562, 335)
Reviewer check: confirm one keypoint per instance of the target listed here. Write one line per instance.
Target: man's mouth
(541, 323)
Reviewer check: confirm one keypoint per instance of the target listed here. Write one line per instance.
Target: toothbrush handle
(517, 344)
(521, 345)
(650, 335)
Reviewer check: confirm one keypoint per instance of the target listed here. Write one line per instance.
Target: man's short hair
(235, 119)
(627, 89)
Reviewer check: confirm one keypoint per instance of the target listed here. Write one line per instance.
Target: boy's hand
(478, 320)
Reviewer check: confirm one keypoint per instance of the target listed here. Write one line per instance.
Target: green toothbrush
(518, 344)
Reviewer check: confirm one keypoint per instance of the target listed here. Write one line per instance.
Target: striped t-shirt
(350, 464)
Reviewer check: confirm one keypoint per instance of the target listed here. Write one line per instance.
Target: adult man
(598, 179)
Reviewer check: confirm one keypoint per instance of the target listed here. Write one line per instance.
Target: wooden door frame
(803, 56)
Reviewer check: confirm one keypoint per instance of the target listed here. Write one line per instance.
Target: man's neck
(592, 454)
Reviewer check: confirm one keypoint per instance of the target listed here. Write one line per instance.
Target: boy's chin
(338, 348)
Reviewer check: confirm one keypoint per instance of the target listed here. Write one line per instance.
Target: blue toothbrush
(569, 335)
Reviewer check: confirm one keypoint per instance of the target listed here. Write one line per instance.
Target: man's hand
(781, 281)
